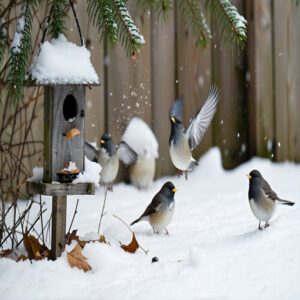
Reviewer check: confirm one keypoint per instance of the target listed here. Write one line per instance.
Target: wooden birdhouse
(64, 70)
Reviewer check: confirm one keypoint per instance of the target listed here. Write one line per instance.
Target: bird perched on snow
(109, 155)
(184, 140)
(262, 198)
(159, 212)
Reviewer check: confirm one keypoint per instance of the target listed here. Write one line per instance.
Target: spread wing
(126, 153)
(177, 109)
(91, 152)
(200, 122)
(268, 191)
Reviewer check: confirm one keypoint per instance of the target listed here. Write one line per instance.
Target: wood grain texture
(56, 126)
(260, 78)
(59, 215)
(163, 86)
(231, 129)
(60, 189)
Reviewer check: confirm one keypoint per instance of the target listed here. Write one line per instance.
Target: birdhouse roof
(61, 62)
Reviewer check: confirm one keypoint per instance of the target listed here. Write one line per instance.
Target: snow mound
(141, 138)
(62, 62)
(37, 174)
(91, 173)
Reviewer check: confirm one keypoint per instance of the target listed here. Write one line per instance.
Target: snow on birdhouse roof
(61, 62)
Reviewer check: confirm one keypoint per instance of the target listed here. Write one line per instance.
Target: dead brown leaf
(77, 259)
(22, 258)
(132, 247)
(72, 237)
(34, 249)
(5, 252)
(71, 133)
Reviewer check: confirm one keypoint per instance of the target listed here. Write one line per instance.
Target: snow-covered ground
(214, 250)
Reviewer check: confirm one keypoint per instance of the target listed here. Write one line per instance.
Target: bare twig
(75, 212)
(102, 212)
(77, 22)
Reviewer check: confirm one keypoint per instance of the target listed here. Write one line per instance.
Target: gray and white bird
(184, 140)
(263, 200)
(159, 212)
(108, 157)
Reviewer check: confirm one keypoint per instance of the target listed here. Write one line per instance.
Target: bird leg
(186, 175)
(267, 224)
(259, 228)
(167, 232)
(110, 187)
(179, 173)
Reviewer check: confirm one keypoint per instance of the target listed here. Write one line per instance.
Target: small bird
(159, 212)
(109, 155)
(263, 200)
(184, 140)
(143, 171)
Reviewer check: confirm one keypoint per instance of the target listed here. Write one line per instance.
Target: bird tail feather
(137, 220)
(285, 202)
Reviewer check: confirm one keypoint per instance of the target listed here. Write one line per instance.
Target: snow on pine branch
(129, 33)
(234, 25)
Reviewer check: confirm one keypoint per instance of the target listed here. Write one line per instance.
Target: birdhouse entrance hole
(70, 108)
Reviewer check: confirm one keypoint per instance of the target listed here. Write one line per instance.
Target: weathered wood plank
(193, 75)
(282, 88)
(60, 189)
(260, 78)
(231, 130)
(59, 215)
(163, 86)
(293, 80)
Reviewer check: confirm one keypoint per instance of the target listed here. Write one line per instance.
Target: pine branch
(128, 33)
(234, 26)
(193, 16)
(20, 51)
(162, 7)
(57, 21)
(100, 12)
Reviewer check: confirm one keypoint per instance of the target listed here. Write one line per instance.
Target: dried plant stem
(102, 212)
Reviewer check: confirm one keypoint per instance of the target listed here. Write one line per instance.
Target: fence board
(260, 77)
(228, 72)
(163, 86)
(293, 79)
(281, 54)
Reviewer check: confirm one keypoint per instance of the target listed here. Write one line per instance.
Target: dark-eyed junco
(262, 198)
(159, 212)
(184, 140)
(109, 155)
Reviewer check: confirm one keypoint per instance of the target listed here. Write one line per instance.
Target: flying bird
(184, 140)
(263, 200)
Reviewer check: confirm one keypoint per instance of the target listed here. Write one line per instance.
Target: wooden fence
(260, 86)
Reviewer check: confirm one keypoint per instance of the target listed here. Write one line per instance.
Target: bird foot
(186, 175)
(179, 173)
(110, 187)
(266, 225)
(167, 232)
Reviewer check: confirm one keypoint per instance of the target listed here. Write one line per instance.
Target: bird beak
(174, 190)
(173, 120)
(102, 142)
(249, 176)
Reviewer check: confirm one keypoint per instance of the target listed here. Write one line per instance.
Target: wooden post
(59, 213)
